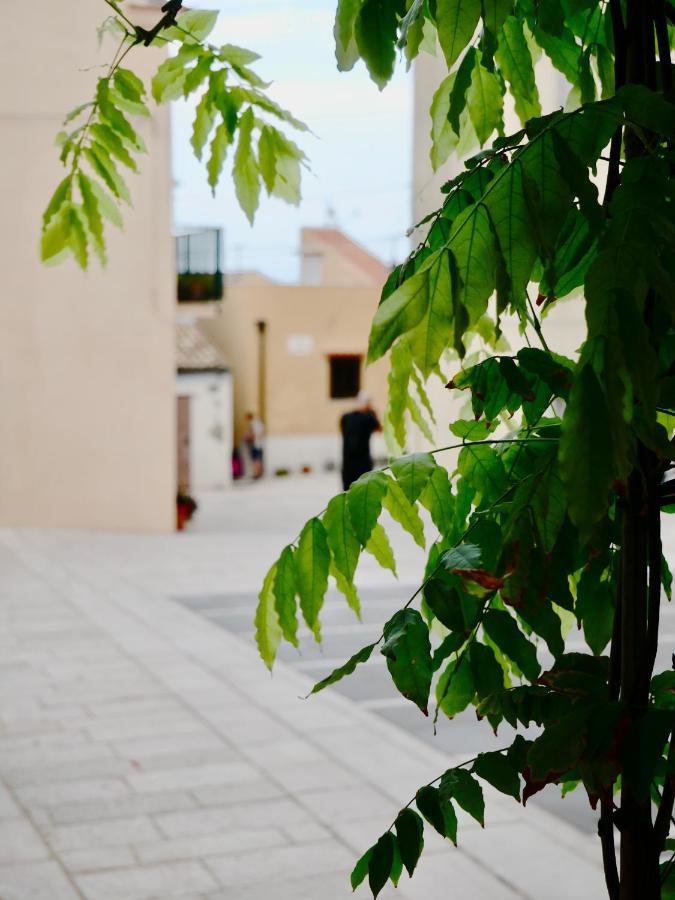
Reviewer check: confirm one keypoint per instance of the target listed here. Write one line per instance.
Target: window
(345, 376)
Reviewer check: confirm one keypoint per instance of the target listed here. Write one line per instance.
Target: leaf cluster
(233, 111)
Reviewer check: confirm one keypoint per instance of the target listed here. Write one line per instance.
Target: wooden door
(183, 443)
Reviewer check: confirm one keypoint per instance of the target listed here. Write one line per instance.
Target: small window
(345, 376)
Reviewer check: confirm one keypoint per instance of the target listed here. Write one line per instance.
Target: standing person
(356, 428)
(253, 438)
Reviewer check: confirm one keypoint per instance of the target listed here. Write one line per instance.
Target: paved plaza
(145, 752)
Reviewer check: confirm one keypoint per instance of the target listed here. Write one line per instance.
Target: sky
(360, 153)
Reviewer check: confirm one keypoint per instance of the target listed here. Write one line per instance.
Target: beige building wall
(305, 325)
(86, 360)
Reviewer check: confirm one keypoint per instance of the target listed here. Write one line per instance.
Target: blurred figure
(253, 438)
(356, 428)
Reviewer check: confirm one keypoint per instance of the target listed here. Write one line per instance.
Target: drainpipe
(262, 370)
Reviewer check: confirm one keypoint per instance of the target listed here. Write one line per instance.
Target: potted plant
(185, 509)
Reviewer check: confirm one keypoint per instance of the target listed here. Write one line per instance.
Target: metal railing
(199, 265)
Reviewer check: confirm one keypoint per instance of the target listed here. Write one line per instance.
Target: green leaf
(495, 13)
(413, 473)
(246, 174)
(198, 22)
(105, 168)
(586, 451)
(483, 468)
(595, 607)
(379, 867)
(364, 499)
(54, 236)
(515, 62)
(484, 100)
(346, 51)
(77, 236)
(197, 75)
(488, 674)
(455, 689)
(312, 559)
(410, 833)
(342, 540)
(499, 771)
(461, 786)
(219, 144)
(375, 32)
(285, 590)
(378, 546)
(402, 310)
(549, 505)
(92, 215)
(362, 656)
(129, 85)
(347, 589)
(439, 814)
(408, 653)
(267, 628)
(456, 22)
(459, 89)
(107, 205)
(58, 199)
(237, 56)
(443, 138)
(464, 556)
(430, 336)
(563, 52)
(113, 144)
(402, 511)
(502, 629)
(437, 497)
(361, 869)
(205, 116)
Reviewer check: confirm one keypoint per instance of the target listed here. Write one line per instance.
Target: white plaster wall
(319, 451)
(210, 427)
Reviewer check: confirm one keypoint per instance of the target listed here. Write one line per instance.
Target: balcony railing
(199, 264)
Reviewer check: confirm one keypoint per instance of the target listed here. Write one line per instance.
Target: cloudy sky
(360, 157)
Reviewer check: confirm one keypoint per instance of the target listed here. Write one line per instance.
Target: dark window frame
(345, 384)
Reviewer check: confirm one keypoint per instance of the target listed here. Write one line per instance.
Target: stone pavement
(146, 753)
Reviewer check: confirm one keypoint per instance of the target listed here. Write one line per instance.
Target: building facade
(297, 351)
(86, 359)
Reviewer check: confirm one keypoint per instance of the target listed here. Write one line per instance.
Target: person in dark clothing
(356, 428)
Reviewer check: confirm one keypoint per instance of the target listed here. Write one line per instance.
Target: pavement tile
(218, 844)
(8, 808)
(36, 881)
(98, 859)
(155, 883)
(56, 793)
(101, 834)
(19, 841)
(348, 804)
(279, 863)
(227, 818)
(197, 776)
(121, 807)
(533, 859)
(260, 789)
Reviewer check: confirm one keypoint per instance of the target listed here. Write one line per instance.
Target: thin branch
(664, 815)
(606, 834)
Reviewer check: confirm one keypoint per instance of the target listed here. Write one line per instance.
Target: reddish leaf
(481, 577)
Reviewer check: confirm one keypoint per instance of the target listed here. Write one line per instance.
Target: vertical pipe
(262, 370)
